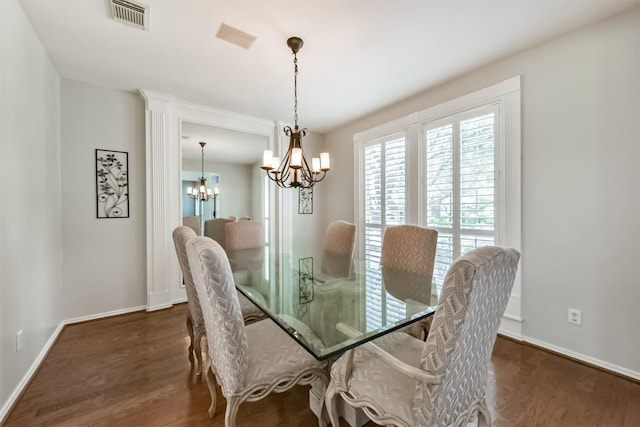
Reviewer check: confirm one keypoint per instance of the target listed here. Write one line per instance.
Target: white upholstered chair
(193, 222)
(245, 248)
(195, 321)
(249, 361)
(337, 251)
(402, 381)
(408, 248)
(214, 229)
(407, 259)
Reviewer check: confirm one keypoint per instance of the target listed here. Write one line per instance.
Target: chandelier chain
(295, 89)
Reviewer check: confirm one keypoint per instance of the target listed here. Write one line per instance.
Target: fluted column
(159, 277)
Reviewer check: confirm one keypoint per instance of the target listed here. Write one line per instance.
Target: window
(460, 166)
(459, 190)
(384, 183)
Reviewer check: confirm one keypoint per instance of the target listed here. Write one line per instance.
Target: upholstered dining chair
(409, 249)
(249, 361)
(214, 229)
(246, 248)
(403, 381)
(192, 222)
(337, 251)
(407, 258)
(195, 321)
(245, 243)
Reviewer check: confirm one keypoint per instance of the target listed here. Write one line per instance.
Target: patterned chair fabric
(245, 249)
(193, 222)
(411, 249)
(402, 381)
(407, 258)
(337, 252)
(250, 361)
(195, 320)
(214, 229)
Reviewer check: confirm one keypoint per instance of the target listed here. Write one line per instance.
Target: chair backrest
(337, 252)
(226, 335)
(214, 229)
(407, 259)
(181, 235)
(193, 222)
(463, 332)
(245, 244)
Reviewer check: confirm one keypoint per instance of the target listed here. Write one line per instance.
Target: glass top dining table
(329, 315)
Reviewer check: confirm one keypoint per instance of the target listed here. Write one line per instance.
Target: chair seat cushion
(273, 354)
(374, 381)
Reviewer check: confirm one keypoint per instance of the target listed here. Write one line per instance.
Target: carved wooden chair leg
(233, 403)
(211, 383)
(190, 330)
(484, 416)
(197, 346)
(332, 408)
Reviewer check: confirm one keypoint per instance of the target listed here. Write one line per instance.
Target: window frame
(507, 98)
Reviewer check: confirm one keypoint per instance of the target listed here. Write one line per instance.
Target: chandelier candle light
(294, 170)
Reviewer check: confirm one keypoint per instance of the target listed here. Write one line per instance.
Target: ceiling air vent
(235, 36)
(129, 13)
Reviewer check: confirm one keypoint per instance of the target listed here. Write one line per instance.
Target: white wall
(104, 259)
(30, 212)
(581, 145)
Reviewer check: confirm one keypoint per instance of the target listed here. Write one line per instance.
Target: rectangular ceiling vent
(235, 36)
(129, 13)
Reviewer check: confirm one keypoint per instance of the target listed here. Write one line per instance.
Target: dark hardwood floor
(132, 370)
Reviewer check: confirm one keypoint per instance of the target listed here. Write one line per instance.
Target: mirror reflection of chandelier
(202, 193)
(295, 170)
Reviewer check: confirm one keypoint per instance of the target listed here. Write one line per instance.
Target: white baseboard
(158, 300)
(587, 359)
(45, 350)
(179, 300)
(511, 327)
(27, 376)
(103, 315)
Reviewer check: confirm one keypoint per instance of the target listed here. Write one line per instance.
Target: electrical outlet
(19, 340)
(575, 316)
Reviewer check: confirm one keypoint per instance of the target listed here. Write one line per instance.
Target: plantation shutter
(384, 204)
(460, 185)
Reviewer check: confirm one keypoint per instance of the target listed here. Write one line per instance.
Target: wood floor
(132, 370)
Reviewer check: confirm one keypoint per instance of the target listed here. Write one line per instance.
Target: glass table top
(329, 315)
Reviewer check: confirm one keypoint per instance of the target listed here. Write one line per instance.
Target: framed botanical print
(112, 184)
(305, 200)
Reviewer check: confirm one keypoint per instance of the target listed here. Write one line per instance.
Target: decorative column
(159, 242)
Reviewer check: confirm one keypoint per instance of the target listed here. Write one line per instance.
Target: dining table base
(354, 417)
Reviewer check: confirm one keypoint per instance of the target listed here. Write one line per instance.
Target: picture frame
(305, 200)
(112, 184)
(305, 279)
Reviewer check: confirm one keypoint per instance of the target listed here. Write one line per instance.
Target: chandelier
(202, 193)
(294, 170)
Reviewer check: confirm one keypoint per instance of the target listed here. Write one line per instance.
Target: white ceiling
(358, 56)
